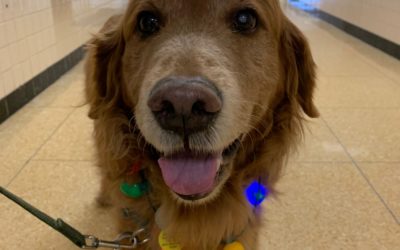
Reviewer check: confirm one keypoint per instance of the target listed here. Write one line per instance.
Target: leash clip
(133, 241)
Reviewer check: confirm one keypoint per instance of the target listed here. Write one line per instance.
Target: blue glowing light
(303, 5)
(256, 193)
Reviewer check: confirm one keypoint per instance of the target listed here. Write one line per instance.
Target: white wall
(35, 34)
(381, 17)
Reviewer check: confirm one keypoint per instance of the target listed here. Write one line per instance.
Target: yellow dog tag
(234, 246)
(167, 245)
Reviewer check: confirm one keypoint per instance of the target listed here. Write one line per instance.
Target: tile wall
(381, 17)
(35, 34)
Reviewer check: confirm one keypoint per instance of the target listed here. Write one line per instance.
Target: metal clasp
(134, 239)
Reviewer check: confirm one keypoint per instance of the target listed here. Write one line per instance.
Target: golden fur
(267, 78)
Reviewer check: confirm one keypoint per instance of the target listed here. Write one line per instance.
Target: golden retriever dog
(192, 101)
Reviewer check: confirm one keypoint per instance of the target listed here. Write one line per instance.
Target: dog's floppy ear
(298, 68)
(103, 68)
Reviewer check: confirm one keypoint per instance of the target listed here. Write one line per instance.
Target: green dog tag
(135, 190)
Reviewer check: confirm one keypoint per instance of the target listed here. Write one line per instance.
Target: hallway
(342, 190)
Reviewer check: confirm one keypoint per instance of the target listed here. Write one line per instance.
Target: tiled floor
(341, 192)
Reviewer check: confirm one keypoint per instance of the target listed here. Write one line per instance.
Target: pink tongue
(190, 175)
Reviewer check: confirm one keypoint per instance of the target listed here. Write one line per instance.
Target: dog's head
(202, 79)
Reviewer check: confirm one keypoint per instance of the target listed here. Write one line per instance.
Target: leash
(255, 192)
(134, 239)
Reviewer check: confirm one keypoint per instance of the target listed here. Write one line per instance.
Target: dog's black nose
(185, 105)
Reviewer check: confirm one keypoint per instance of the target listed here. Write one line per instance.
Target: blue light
(303, 5)
(256, 193)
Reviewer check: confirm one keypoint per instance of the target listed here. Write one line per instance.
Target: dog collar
(255, 193)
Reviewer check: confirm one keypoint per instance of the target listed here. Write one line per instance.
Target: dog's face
(200, 77)
(198, 72)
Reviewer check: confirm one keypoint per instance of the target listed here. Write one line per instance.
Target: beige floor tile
(61, 189)
(319, 40)
(78, 72)
(327, 40)
(386, 64)
(385, 177)
(345, 64)
(327, 206)
(343, 38)
(319, 144)
(336, 56)
(358, 92)
(23, 134)
(61, 96)
(367, 134)
(68, 91)
(73, 141)
(326, 48)
(34, 119)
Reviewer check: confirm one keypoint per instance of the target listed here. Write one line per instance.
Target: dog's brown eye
(245, 21)
(148, 23)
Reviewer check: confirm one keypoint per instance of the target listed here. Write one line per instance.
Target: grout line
(363, 174)
(378, 69)
(362, 58)
(362, 77)
(387, 162)
(26, 36)
(349, 161)
(359, 51)
(319, 162)
(60, 160)
(38, 149)
(383, 75)
(54, 107)
(359, 108)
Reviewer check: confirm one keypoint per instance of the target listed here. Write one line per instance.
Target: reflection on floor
(341, 192)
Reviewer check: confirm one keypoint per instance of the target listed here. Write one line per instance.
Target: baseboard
(26, 92)
(389, 47)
